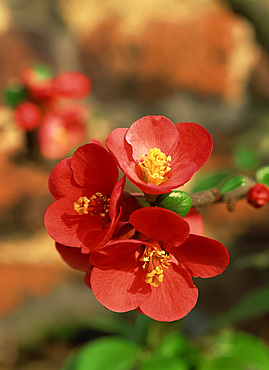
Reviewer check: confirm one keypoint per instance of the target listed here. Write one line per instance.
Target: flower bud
(258, 195)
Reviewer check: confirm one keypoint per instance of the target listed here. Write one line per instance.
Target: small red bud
(258, 195)
(27, 116)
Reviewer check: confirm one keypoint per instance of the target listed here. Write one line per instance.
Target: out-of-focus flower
(73, 85)
(258, 195)
(158, 156)
(49, 103)
(87, 196)
(62, 130)
(153, 272)
(28, 116)
(39, 82)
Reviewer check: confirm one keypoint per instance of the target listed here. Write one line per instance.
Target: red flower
(39, 83)
(153, 273)
(86, 192)
(258, 195)
(62, 130)
(158, 156)
(72, 85)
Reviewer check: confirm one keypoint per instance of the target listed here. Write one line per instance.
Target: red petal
(194, 145)
(174, 298)
(115, 254)
(66, 226)
(202, 256)
(74, 258)
(120, 290)
(151, 132)
(94, 168)
(96, 239)
(160, 224)
(122, 152)
(195, 222)
(115, 197)
(61, 182)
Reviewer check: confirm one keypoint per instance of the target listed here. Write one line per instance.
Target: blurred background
(203, 61)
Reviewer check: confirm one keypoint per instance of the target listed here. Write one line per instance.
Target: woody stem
(209, 197)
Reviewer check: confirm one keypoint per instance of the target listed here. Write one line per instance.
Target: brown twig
(212, 196)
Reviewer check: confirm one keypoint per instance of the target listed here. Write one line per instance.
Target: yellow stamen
(97, 204)
(155, 260)
(155, 166)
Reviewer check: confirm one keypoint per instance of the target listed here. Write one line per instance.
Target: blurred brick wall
(151, 51)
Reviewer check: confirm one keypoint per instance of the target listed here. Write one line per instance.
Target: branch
(212, 196)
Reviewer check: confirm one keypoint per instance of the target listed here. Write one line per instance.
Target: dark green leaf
(262, 175)
(176, 201)
(14, 95)
(254, 304)
(104, 353)
(210, 181)
(232, 184)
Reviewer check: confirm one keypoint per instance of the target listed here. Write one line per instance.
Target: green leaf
(254, 304)
(210, 181)
(157, 363)
(104, 353)
(175, 345)
(232, 184)
(43, 71)
(176, 201)
(14, 95)
(246, 158)
(262, 175)
(236, 351)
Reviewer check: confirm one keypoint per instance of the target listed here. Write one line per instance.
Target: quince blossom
(153, 272)
(158, 156)
(87, 197)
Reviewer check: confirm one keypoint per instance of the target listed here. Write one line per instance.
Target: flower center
(155, 166)
(154, 262)
(97, 204)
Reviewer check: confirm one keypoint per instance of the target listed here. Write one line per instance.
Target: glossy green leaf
(210, 181)
(14, 95)
(232, 184)
(254, 304)
(104, 353)
(176, 201)
(262, 175)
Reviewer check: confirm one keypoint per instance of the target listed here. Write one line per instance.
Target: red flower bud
(72, 85)
(258, 195)
(27, 116)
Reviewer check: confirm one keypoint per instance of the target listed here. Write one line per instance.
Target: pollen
(98, 204)
(155, 166)
(154, 262)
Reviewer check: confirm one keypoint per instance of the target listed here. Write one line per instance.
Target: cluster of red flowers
(49, 104)
(135, 257)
